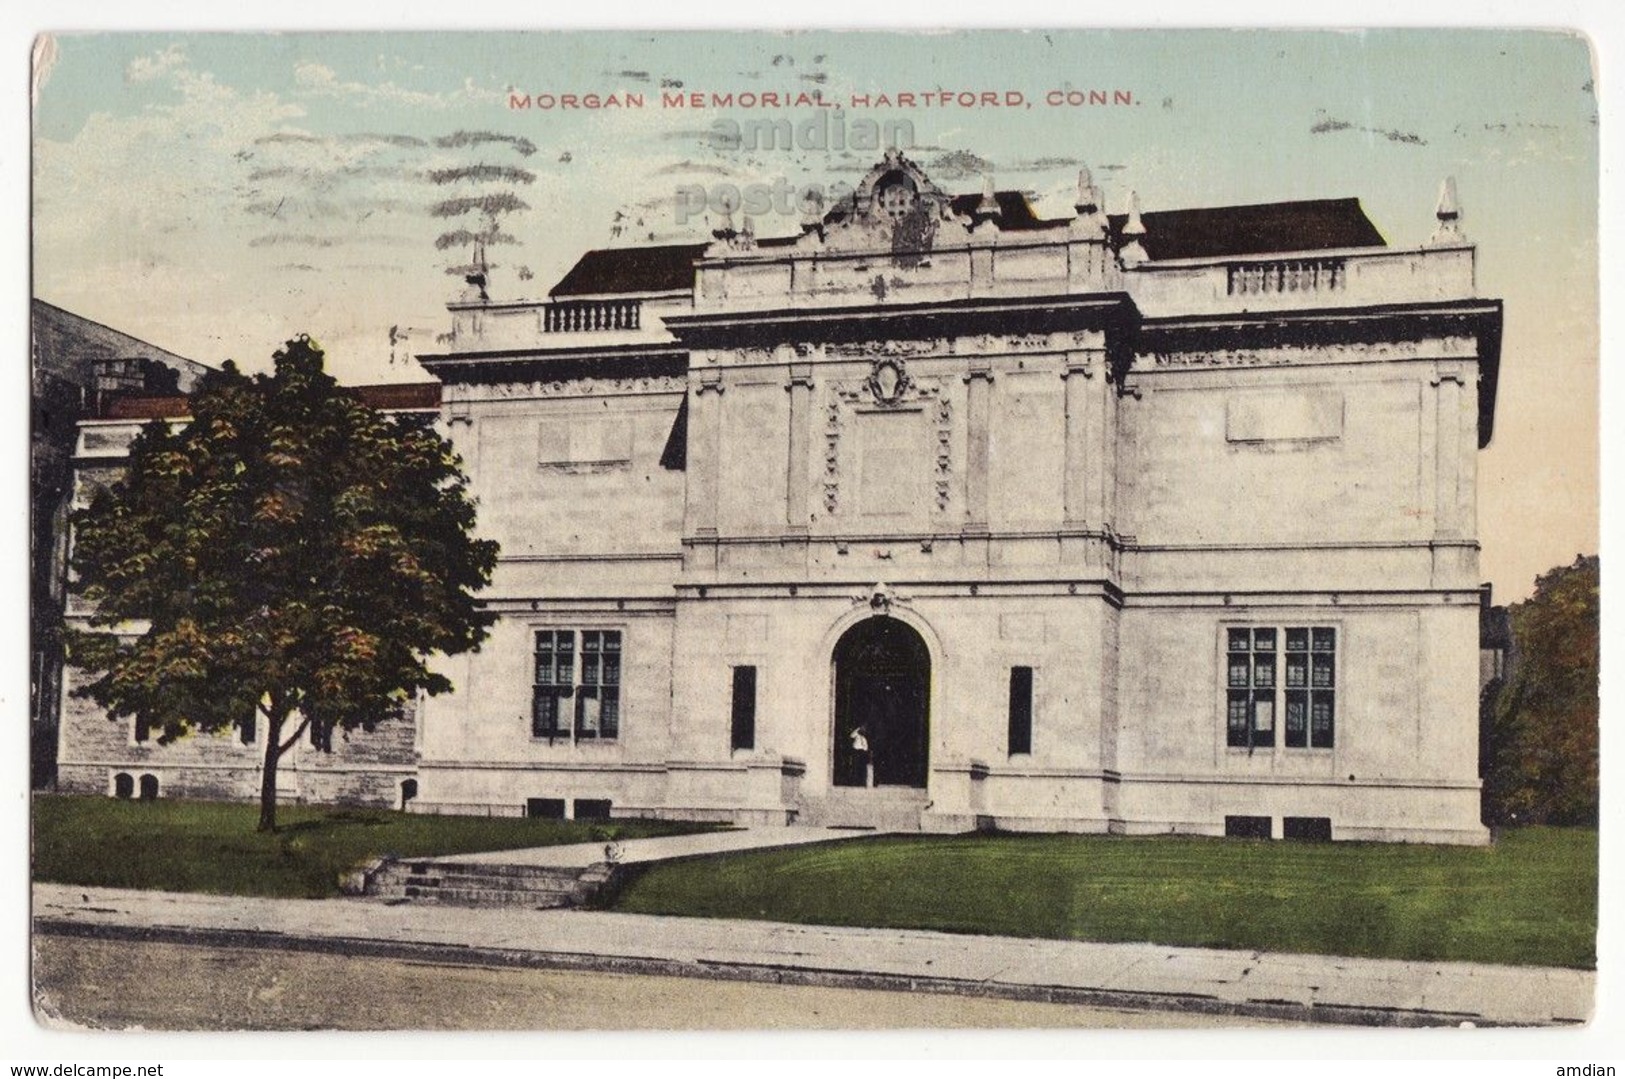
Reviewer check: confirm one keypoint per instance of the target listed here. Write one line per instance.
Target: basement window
(1314, 829)
(545, 808)
(592, 809)
(1247, 827)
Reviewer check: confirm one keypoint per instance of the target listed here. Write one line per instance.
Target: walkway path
(657, 848)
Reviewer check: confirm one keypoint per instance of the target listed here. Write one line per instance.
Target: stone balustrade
(590, 316)
(1288, 275)
(1347, 278)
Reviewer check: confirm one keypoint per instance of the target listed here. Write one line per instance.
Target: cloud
(957, 165)
(293, 207)
(693, 168)
(322, 81)
(155, 65)
(1041, 164)
(320, 177)
(278, 239)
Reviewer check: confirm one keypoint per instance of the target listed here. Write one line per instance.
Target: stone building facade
(942, 515)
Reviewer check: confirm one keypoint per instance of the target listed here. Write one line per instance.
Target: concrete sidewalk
(1245, 984)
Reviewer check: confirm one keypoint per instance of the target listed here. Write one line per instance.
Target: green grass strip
(181, 846)
(1529, 899)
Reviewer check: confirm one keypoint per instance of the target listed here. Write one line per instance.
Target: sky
(216, 194)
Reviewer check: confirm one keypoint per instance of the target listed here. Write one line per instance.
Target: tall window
(588, 677)
(1311, 662)
(1255, 695)
(1021, 710)
(744, 708)
(598, 705)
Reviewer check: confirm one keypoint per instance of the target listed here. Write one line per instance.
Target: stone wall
(364, 767)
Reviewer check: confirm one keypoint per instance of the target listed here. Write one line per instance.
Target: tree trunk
(275, 747)
(273, 753)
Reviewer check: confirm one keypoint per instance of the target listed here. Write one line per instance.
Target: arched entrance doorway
(882, 685)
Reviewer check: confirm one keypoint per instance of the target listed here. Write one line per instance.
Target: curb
(1099, 997)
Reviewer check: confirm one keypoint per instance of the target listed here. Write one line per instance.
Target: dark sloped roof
(1209, 232)
(120, 407)
(1015, 212)
(396, 396)
(631, 269)
(388, 397)
(1221, 231)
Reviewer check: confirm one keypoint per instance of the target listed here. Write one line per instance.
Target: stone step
(494, 869)
(488, 897)
(484, 884)
(553, 881)
(890, 809)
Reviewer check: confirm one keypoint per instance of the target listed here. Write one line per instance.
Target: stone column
(797, 483)
(1467, 498)
(1082, 455)
(978, 384)
(705, 463)
(459, 428)
(1447, 520)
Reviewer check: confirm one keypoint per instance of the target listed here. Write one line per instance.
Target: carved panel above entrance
(904, 442)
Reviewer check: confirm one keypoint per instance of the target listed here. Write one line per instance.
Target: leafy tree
(1541, 766)
(293, 554)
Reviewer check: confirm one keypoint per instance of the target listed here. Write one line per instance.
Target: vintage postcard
(746, 530)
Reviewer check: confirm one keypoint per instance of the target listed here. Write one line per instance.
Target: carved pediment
(896, 207)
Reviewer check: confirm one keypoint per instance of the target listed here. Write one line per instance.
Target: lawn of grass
(184, 846)
(1530, 899)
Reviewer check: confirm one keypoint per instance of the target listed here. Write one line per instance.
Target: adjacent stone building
(124, 759)
(939, 514)
(77, 365)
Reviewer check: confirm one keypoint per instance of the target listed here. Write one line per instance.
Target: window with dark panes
(1250, 687)
(598, 697)
(555, 682)
(1297, 662)
(1322, 682)
(744, 708)
(577, 687)
(1021, 710)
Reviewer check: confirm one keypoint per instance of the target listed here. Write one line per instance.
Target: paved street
(122, 984)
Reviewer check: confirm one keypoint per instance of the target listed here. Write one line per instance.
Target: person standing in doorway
(860, 749)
